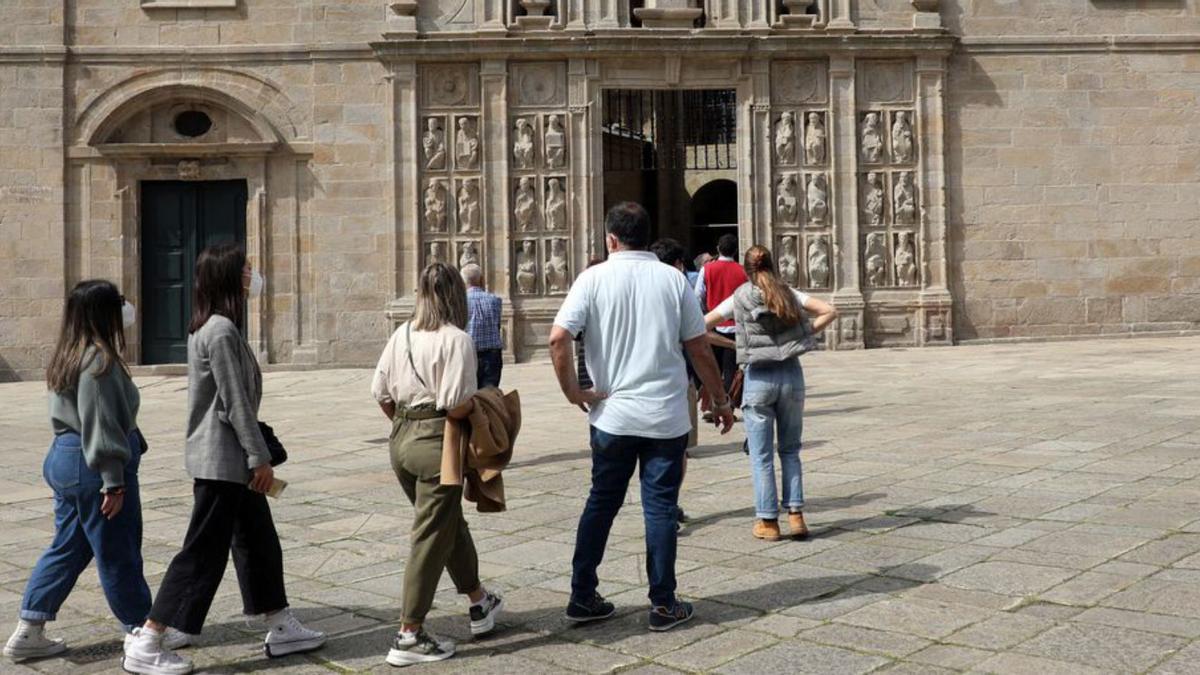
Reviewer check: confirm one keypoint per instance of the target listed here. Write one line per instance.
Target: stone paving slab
(992, 509)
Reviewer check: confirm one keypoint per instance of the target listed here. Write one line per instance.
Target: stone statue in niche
(789, 266)
(904, 201)
(556, 205)
(435, 205)
(435, 253)
(785, 139)
(468, 206)
(817, 193)
(556, 267)
(434, 145)
(468, 254)
(787, 204)
(523, 146)
(555, 143)
(902, 138)
(818, 263)
(905, 257)
(814, 139)
(872, 138)
(876, 255)
(874, 198)
(524, 204)
(527, 268)
(466, 145)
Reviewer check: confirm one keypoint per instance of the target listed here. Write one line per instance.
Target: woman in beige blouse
(424, 380)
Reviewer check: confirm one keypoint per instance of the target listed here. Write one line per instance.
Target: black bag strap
(408, 329)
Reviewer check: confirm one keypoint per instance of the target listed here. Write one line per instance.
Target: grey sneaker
(29, 641)
(420, 647)
(666, 618)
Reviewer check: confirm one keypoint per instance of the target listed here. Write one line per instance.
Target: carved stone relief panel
(889, 156)
(537, 85)
(446, 15)
(817, 260)
(452, 155)
(541, 197)
(786, 252)
(816, 193)
(557, 270)
(799, 82)
(468, 253)
(526, 267)
(450, 85)
(787, 201)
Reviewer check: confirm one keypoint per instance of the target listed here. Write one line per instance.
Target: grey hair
(472, 274)
(699, 260)
(441, 299)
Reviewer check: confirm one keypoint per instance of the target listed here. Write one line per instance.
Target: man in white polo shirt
(637, 316)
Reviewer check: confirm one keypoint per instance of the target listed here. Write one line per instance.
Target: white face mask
(128, 314)
(257, 283)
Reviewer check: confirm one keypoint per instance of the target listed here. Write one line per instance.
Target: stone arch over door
(124, 137)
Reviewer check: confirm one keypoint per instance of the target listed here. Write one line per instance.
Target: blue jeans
(81, 532)
(660, 464)
(489, 364)
(773, 397)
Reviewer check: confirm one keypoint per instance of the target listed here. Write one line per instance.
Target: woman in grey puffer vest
(775, 325)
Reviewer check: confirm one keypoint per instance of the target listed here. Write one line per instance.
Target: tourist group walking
(640, 343)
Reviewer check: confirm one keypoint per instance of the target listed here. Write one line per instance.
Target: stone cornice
(1057, 44)
(222, 54)
(567, 45)
(32, 54)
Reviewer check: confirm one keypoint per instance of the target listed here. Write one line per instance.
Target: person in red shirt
(718, 280)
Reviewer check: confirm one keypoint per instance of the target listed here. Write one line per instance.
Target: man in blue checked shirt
(483, 325)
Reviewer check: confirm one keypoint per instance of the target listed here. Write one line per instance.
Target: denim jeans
(81, 532)
(660, 465)
(773, 398)
(489, 364)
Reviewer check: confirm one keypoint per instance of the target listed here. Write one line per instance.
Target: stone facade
(953, 171)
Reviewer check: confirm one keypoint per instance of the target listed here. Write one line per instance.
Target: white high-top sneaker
(172, 639)
(286, 635)
(146, 654)
(29, 641)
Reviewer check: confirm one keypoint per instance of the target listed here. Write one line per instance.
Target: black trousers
(226, 516)
(727, 362)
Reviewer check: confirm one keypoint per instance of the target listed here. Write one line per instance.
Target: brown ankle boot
(767, 530)
(796, 524)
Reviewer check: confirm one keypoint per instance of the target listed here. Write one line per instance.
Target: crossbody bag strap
(408, 328)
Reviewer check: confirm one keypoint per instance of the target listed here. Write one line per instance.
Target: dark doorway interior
(675, 152)
(179, 219)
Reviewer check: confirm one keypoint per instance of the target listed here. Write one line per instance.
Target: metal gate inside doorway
(656, 129)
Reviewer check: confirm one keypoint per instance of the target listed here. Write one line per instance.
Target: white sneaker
(145, 653)
(419, 647)
(483, 615)
(29, 641)
(286, 635)
(172, 639)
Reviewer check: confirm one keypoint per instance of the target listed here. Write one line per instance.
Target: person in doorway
(716, 284)
(772, 332)
(637, 316)
(424, 381)
(693, 275)
(228, 460)
(483, 325)
(92, 467)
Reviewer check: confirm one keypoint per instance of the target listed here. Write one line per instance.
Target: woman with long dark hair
(92, 467)
(228, 460)
(425, 379)
(775, 325)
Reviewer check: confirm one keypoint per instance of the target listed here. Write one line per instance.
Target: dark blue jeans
(490, 363)
(81, 532)
(660, 467)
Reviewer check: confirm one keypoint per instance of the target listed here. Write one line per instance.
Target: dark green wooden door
(179, 219)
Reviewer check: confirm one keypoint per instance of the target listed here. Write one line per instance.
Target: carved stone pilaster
(406, 178)
(936, 324)
(840, 20)
(847, 293)
(722, 15)
(493, 86)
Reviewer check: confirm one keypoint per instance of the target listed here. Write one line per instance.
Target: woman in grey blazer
(228, 459)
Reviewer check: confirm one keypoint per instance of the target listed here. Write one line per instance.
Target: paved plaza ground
(1025, 508)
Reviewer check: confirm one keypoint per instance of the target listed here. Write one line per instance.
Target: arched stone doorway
(714, 213)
